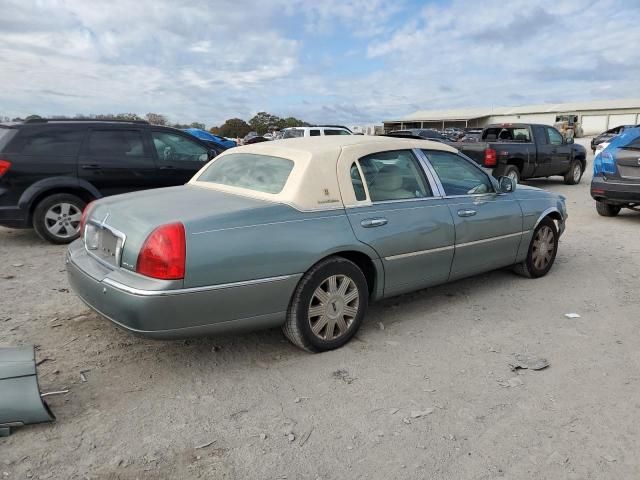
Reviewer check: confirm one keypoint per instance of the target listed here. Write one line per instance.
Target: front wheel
(56, 218)
(542, 251)
(573, 176)
(327, 306)
(606, 209)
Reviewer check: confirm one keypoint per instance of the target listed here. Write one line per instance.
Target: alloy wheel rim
(577, 171)
(62, 220)
(513, 175)
(543, 246)
(333, 307)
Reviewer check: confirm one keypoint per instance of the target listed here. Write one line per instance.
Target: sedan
(304, 235)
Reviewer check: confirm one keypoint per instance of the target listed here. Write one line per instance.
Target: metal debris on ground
(83, 377)
(572, 315)
(205, 445)
(421, 413)
(522, 361)
(57, 392)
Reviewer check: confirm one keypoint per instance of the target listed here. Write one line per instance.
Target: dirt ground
(424, 391)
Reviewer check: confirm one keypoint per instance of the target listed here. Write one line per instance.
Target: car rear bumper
(615, 191)
(178, 313)
(13, 217)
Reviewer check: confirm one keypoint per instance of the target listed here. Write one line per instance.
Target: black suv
(50, 169)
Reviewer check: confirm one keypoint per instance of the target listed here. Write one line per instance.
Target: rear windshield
(507, 134)
(6, 134)
(261, 173)
(293, 133)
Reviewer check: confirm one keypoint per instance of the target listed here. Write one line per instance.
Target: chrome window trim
(181, 291)
(117, 233)
(434, 180)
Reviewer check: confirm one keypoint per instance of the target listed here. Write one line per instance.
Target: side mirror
(569, 141)
(506, 185)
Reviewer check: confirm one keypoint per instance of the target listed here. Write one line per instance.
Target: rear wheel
(513, 173)
(56, 218)
(542, 251)
(606, 209)
(328, 306)
(573, 176)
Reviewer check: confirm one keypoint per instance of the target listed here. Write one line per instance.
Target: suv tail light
(4, 167)
(83, 218)
(490, 158)
(163, 253)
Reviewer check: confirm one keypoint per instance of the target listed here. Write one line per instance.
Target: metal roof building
(595, 116)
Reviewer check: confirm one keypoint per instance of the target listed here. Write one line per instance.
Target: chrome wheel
(62, 220)
(513, 175)
(577, 172)
(543, 247)
(333, 307)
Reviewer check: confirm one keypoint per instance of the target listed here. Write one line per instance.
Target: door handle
(373, 222)
(91, 166)
(466, 213)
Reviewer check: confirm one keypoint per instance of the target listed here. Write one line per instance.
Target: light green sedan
(304, 234)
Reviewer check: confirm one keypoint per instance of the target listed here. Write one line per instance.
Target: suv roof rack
(47, 120)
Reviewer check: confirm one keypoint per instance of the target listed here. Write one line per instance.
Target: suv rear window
(507, 134)
(262, 173)
(293, 133)
(6, 134)
(50, 141)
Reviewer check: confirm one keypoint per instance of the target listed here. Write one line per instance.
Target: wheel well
(365, 264)
(80, 192)
(583, 162)
(555, 216)
(518, 162)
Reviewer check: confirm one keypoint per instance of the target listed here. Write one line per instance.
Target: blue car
(616, 174)
(210, 138)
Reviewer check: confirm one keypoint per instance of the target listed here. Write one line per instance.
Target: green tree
(234, 128)
(156, 119)
(263, 121)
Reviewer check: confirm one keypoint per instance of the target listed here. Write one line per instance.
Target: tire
(513, 172)
(300, 324)
(532, 267)
(606, 209)
(574, 175)
(56, 218)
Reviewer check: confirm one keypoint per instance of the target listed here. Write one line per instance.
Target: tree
(234, 128)
(262, 121)
(199, 125)
(291, 122)
(156, 119)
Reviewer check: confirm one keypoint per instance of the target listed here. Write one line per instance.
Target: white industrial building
(594, 117)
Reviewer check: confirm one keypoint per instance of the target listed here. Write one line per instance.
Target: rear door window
(394, 175)
(115, 143)
(458, 175)
(314, 133)
(54, 141)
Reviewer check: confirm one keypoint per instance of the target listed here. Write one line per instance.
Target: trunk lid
(118, 226)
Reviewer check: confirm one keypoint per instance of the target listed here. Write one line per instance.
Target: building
(594, 117)
(367, 129)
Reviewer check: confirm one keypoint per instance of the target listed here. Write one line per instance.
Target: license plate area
(104, 244)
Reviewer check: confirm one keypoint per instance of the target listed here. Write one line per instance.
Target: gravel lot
(424, 391)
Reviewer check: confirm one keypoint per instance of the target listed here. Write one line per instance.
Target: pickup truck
(522, 150)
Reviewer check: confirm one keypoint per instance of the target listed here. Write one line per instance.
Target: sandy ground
(275, 412)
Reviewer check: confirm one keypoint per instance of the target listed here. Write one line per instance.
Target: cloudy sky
(352, 62)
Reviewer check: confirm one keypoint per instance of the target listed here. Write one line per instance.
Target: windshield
(261, 173)
(293, 133)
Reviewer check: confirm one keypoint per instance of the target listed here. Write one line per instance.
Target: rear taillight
(164, 253)
(490, 158)
(4, 167)
(83, 218)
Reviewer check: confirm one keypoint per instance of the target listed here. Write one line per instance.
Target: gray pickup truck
(523, 150)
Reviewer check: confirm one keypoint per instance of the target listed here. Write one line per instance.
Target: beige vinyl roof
(321, 167)
(469, 113)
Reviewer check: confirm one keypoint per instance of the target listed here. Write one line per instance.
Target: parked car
(319, 131)
(471, 135)
(304, 234)
(608, 135)
(426, 133)
(525, 150)
(215, 141)
(50, 169)
(616, 174)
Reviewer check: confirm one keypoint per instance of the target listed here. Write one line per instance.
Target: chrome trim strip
(426, 165)
(180, 291)
(491, 239)
(420, 252)
(338, 215)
